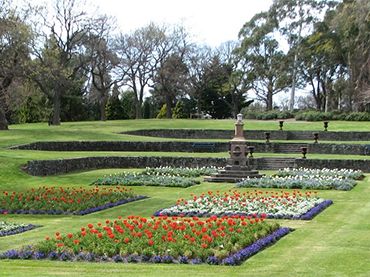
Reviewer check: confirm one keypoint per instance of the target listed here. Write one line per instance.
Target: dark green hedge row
(308, 115)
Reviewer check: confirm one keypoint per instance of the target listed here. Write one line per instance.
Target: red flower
(204, 245)
(127, 240)
(76, 241)
(100, 235)
(150, 242)
(69, 235)
(57, 234)
(60, 244)
(90, 225)
(112, 236)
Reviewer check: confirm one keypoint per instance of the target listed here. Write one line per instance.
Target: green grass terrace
(334, 243)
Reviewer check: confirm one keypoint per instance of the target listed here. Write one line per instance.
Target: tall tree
(295, 19)
(103, 61)
(14, 52)
(171, 81)
(236, 88)
(265, 65)
(351, 22)
(60, 62)
(198, 60)
(321, 63)
(141, 54)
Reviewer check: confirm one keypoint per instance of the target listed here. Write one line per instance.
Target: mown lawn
(335, 243)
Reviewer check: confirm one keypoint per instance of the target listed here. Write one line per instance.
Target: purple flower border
(306, 216)
(82, 212)
(18, 230)
(232, 260)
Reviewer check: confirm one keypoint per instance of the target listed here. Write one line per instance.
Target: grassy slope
(335, 243)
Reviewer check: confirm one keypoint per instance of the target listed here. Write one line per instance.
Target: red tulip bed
(273, 204)
(215, 240)
(58, 200)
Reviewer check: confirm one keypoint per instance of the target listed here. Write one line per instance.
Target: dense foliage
(77, 71)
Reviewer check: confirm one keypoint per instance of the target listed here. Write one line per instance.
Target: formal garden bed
(225, 240)
(159, 176)
(287, 205)
(336, 173)
(59, 200)
(303, 178)
(9, 228)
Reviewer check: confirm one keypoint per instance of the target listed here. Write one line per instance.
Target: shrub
(268, 115)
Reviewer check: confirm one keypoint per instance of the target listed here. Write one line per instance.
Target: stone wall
(363, 165)
(253, 134)
(62, 166)
(177, 146)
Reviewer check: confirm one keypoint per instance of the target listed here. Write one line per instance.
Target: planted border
(65, 201)
(299, 182)
(7, 229)
(216, 241)
(287, 205)
(140, 179)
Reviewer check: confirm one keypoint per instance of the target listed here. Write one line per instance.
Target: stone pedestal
(238, 165)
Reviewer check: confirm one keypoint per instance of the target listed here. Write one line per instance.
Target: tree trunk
(269, 100)
(55, 120)
(168, 107)
(103, 104)
(138, 112)
(3, 121)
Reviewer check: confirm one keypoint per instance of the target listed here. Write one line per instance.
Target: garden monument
(238, 166)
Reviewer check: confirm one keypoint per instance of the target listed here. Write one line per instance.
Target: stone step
(275, 163)
(237, 172)
(228, 179)
(289, 148)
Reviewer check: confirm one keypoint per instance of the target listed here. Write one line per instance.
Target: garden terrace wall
(61, 166)
(252, 134)
(177, 146)
(363, 165)
(54, 167)
(136, 146)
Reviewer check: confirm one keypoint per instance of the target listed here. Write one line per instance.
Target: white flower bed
(271, 204)
(335, 173)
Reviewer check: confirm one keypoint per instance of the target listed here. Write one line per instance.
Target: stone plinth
(238, 165)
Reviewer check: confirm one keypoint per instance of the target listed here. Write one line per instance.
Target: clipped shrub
(360, 116)
(335, 115)
(268, 115)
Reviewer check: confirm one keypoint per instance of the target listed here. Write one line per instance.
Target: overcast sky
(209, 21)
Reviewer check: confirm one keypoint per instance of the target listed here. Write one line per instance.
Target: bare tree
(199, 59)
(103, 61)
(60, 59)
(141, 53)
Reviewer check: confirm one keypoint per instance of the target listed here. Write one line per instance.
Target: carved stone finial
(239, 118)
